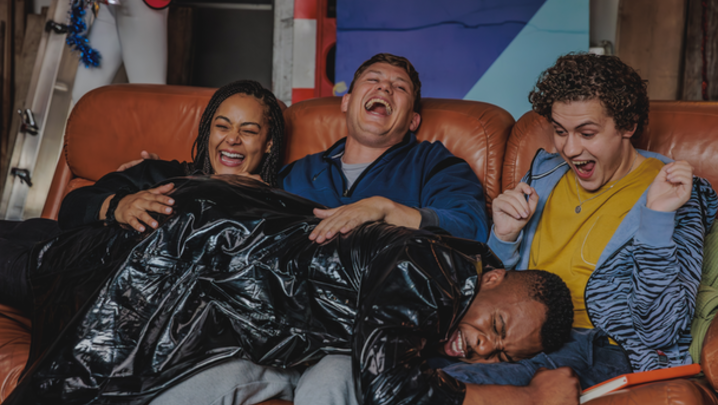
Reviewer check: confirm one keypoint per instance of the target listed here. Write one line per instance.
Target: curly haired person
(623, 227)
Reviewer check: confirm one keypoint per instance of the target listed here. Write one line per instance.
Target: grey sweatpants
(241, 382)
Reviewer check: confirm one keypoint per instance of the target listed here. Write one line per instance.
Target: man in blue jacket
(380, 172)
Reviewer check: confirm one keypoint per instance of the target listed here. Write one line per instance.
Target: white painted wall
(603, 21)
(37, 5)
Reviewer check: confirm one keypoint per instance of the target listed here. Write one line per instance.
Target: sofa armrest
(14, 348)
(58, 189)
(671, 392)
(709, 354)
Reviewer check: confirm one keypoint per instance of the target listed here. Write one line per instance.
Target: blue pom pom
(76, 38)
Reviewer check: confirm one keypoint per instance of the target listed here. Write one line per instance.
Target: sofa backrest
(680, 130)
(112, 125)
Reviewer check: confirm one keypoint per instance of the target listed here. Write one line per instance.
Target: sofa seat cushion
(14, 348)
(672, 392)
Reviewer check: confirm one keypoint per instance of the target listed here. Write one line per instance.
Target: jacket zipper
(350, 191)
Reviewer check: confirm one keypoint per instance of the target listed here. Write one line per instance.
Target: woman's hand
(671, 188)
(511, 211)
(134, 209)
(144, 155)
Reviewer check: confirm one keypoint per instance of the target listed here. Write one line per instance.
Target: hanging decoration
(77, 32)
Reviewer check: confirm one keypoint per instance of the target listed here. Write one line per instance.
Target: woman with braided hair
(241, 132)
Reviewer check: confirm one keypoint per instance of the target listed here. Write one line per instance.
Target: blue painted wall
(490, 50)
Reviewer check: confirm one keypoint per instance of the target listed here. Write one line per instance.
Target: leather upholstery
(111, 125)
(474, 131)
(672, 392)
(14, 348)
(709, 354)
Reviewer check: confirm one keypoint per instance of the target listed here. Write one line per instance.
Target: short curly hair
(550, 290)
(579, 77)
(398, 61)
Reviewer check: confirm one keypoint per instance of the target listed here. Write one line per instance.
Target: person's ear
(492, 279)
(415, 121)
(629, 134)
(345, 102)
(269, 146)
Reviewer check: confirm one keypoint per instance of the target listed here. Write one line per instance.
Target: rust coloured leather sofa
(111, 125)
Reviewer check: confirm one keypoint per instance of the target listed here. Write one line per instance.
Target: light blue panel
(558, 27)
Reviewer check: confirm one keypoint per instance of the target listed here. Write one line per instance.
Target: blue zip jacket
(642, 292)
(421, 175)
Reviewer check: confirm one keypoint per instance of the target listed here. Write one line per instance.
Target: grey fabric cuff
(656, 228)
(428, 218)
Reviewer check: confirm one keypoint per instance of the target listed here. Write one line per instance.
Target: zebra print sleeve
(665, 278)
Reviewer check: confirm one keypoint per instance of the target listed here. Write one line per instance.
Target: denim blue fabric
(588, 353)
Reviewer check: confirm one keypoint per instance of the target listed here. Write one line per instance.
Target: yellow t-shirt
(569, 244)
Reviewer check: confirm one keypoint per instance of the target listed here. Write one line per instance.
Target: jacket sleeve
(455, 194)
(667, 259)
(508, 252)
(408, 303)
(82, 206)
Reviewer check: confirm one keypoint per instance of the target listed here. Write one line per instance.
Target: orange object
(627, 380)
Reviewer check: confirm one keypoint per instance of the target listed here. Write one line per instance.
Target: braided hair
(269, 166)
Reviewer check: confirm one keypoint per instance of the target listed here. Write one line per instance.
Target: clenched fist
(512, 211)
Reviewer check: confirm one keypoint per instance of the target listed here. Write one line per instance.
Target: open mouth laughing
(456, 346)
(378, 106)
(584, 168)
(230, 159)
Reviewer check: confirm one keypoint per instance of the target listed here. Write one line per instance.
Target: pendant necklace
(580, 203)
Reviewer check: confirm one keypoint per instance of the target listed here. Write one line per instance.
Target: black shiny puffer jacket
(121, 316)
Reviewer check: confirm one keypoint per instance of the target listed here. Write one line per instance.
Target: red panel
(301, 95)
(305, 9)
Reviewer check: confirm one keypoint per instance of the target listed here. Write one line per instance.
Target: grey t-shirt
(353, 171)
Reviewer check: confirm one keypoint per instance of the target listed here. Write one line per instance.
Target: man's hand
(134, 209)
(671, 188)
(511, 211)
(347, 217)
(555, 387)
(144, 156)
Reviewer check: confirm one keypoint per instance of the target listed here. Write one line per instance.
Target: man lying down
(121, 317)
